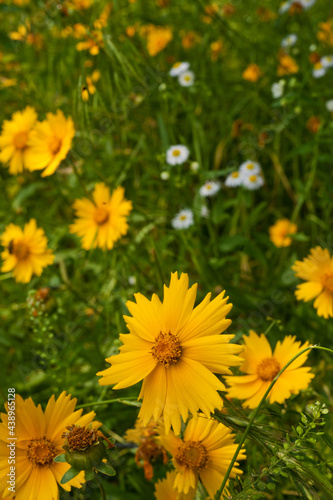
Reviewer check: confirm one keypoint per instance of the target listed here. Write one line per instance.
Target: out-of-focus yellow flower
(24, 34)
(252, 73)
(210, 12)
(49, 143)
(92, 42)
(102, 21)
(130, 31)
(278, 233)
(26, 251)
(287, 64)
(313, 124)
(317, 271)
(216, 49)
(190, 39)
(266, 15)
(14, 139)
(89, 88)
(7, 82)
(325, 33)
(79, 4)
(158, 37)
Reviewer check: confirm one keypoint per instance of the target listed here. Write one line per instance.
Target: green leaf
(69, 475)
(105, 468)
(60, 459)
(89, 475)
(229, 243)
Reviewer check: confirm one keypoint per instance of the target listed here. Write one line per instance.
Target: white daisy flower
(186, 78)
(176, 155)
(252, 181)
(285, 6)
(249, 167)
(204, 212)
(132, 280)
(289, 41)
(318, 70)
(165, 175)
(178, 68)
(277, 89)
(327, 61)
(306, 4)
(329, 105)
(195, 166)
(209, 188)
(234, 179)
(183, 219)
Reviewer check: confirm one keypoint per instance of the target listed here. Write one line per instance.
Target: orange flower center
(20, 140)
(79, 438)
(235, 175)
(176, 152)
(253, 178)
(192, 455)
(250, 166)
(55, 145)
(41, 451)
(101, 216)
(19, 249)
(328, 282)
(268, 369)
(176, 65)
(166, 349)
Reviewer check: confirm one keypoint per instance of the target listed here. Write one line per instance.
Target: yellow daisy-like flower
(252, 73)
(317, 270)
(174, 348)
(158, 38)
(38, 441)
(101, 222)
(164, 489)
(205, 452)
(278, 233)
(262, 367)
(50, 143)
(14, 139)
(26, 251)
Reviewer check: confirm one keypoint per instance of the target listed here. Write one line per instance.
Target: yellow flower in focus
(164, 489)
(158, 38)
(205, 452)
(14, 139)
(278, 233)
(252, 73)
(174, 348)
(38, 440)
(26, 251)
(317, 271)
(103, 221)
(49, 143)
(262, 367)
(287, 64)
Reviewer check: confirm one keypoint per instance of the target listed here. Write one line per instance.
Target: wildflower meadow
(166, 260)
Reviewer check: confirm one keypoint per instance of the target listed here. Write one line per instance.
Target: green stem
(97, 403)
(101, 487)
(255, 413)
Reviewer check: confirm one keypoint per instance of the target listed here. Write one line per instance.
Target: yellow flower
(278, 233)
(262, 367)
(26, 251)
(287, 64)
(317, 270)
(49, 143)
(205, 452)
(158, 38)
(92, 43)
(38, 441)
(164, 489)
(14, 139)
(101, 222)
(79, 4)
(174, 349)
(252, 73)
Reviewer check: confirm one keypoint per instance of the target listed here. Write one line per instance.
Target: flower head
(249, 167)
(164, 489)
(319, 69)
(183, 219)
(14, 139)
(287, 64)
(186, 78)
(261, 367)
(26, 251)
(38, 441)
(329, 105)
(327, 61)
(210, 188)
(289, 41)
(49, 143)
(178, 68)
(252, 181)
(234, 179)
(176, 155)
(158, 38)
(174, 348)
(277, 89)
(252, 73)
(204, 452)
(278, 233)
(103, 221)
(317, 271)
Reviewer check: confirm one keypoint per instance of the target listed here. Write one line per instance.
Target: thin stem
(101, 487)
(118, 400)
(255, 413)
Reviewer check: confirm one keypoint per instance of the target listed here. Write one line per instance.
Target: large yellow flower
(317, 270)
(50, 143)
(26, 251)
(278, 233)
(38, 440)
(164, 489)
(205, 452)
(174, 349)
(14, 139)
(101, 222)
(262, 367)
